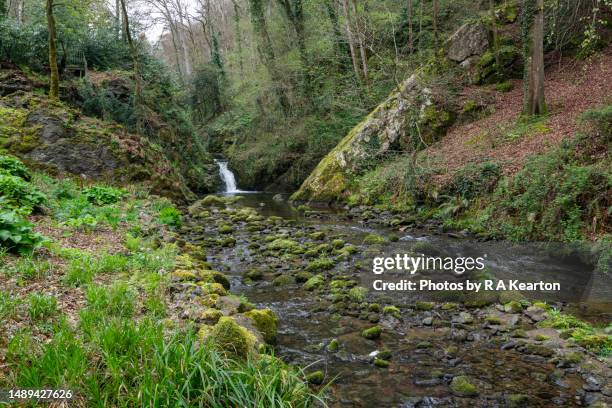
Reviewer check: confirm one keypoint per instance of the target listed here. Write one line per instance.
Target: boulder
(469, 40)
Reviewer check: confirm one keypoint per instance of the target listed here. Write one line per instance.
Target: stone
(462, 387)
(471, 39)
(372, 333)
(316, 377)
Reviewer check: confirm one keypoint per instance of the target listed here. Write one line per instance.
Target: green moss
(303, 276)
(372, 333)
(215, 277)
(316, 377)
(314, 283)
(517, 400)
(266, 322)
(283, 280)
(461, 386)
(211, 316)
(333, 346)
(231, 338)
(357, 294)
(373, 239)
(212, 201)
(320, 264)
(393, 311)
(424, 305)
(284, 245)
(381, 363)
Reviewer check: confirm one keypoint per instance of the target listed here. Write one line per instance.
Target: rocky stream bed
(379, 349)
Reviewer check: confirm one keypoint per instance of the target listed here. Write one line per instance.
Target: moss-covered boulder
(372, 333)
(266, 322)
(381, 131)
(314, 283)
(230, 337)
(462, 387)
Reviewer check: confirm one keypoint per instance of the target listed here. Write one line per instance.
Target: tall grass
(125, 364)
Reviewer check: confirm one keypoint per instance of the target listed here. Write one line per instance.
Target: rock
(372, 239)
(314, 283)
(230, 337)
(278, 198)
(372, 333)
(462, 387)
(303, 276)
(463, 318)
(13, 81)
(383, 130)
(459, 335)
(316, 377)
(471, 39)
(428, 321)
(517, 400)
(424, 305)
(592, 384)
(381, 363)
(536, 314)
(266, 322)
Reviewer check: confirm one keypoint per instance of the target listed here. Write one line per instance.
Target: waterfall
(228, 177)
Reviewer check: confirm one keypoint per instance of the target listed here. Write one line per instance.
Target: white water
(228, 177)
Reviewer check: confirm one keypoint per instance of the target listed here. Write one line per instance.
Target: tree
(3, 8)
(410, 13)
(361, 39)
(54, 72)
(532, 31)
(138, 101)
(435, 20)
(350, 38)
(495, 36)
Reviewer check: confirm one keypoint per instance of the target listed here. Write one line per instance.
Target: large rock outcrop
(383, 131)
(50, 135)
(471, 39)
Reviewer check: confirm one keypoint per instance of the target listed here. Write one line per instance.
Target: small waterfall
(228, 177)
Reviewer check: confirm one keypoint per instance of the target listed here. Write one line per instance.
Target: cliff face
(52, 136)
(384, 131)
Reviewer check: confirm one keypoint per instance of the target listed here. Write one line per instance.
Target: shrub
(474, 180)
(14, 167)
(16, 233)
(101, 195)
(19, 194)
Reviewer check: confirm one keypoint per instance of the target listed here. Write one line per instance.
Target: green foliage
(19, 194)
(30, 268)
(12, 166)
(170, 216)
(601, 119)
(102, 195)
(555, 196)
(16, 233)
(474, 180)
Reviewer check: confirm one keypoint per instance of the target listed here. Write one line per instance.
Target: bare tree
(360, 29)
(138, 100)
(410, 13)
(350, 38)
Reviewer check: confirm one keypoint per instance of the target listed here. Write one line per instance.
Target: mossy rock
(185, 275)
(253, 274)
(283, 280)
(212, 201)
(462, 387)
(315, 282)
(337, 243)
(321, 264)
(372, 333)
(379, 362)
(393, 311)
(303, 276)
(284, 245)
(317, 236)
(316, 377)
(373, 239)
(213, 288)
(215, 277)
(230, 337)
(333, 346)
(517, 400)
(538, 350)
(225, 229)
(513, 307)
(266, 322)
(424, 305)
(357, 293)
(211, 316)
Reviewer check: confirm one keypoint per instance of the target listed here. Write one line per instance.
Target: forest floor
(572, 87)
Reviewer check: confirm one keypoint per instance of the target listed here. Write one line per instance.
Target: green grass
(128, 363)
(41, 307)
(29, 268)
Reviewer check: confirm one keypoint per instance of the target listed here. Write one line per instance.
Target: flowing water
(227, 176)
(425, 356)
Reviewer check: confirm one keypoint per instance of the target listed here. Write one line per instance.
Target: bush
(16, 233)
(19, 194)
(474, 180)
(601, 118)
(12, 166)
(101, 195)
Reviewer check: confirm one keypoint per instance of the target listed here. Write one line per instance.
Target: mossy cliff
(382, 132)
(57, 138)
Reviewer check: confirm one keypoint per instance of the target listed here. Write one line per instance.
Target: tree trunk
(3, 8)
(409, 12)
(342, 50)
(361, 38)
(498, 66)
(54, 73)
(138, 100)
(533, 31)
(435, 21)
(351, 40)
(238, 35)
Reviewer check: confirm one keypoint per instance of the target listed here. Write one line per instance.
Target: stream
(427, 344)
